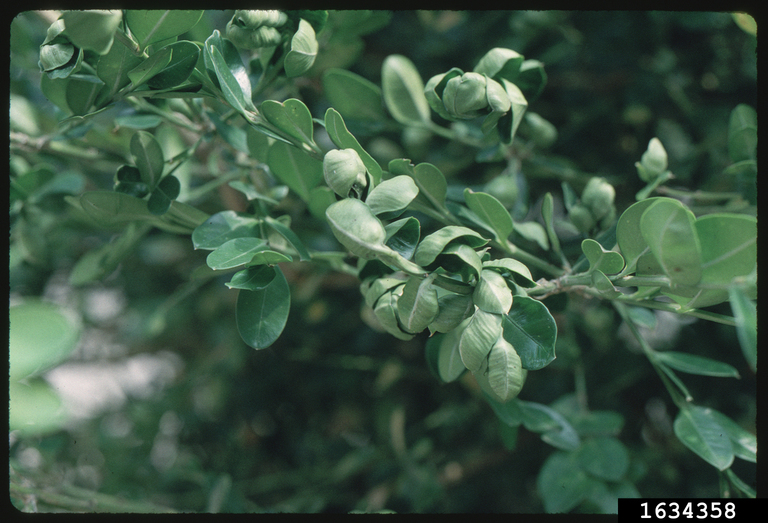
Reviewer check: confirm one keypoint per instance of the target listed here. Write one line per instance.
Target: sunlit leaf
(607, 262)
(92, 30)
(340, 135)
(491, 212)
(433, 244)
(291, 116)
(481, 332)
(491, 293)
(392, 196)
(668, 227)
(303, 51)
(403, 91)
(417, 306)
(506, 375)
(235, 252)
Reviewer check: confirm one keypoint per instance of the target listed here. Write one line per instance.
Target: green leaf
(385, 313)
(292, 117)
(508, 266)
(745, 313)
(547, 212)
(491, 293)
(294, 168)
(532, 231)
(148, 157)
(698, 430)
(34, 408)
(109, 208)
(744, 442)
(153, 26)
(500, 63)
(506, 375)
(40, 337)
(417, 306)
(742, 133)
(355, 97)
(628, 235)
(230, 88)
(443, 351)
(532, 331)
(113, 68)
(403, 236)
(222, 227)
(268, 257)
(728, 247)
(374, 288)
(491, 212)
(143, 72)
(232, 62)
(454, 309)
(99, 263)
(184, 57)
(430, 181)
(82, 91)
(356, 228)
(607, 262)
(166, 191)
(669, 229)
(320, 198)
(252, 278)
(562, 484)
(532, 78)
(479, 336)
(693, 364)
(393, 195)
(262, 313)
(509, 123)
(461, 259)
(235, 252)
(605, 458)
(433, 244)
(604, 286)
(92, 30)
(555, 429)
(337, 131)
(286, 232)
(303, 51)
(403, 91)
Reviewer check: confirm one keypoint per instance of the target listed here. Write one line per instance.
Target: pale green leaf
(403, 91)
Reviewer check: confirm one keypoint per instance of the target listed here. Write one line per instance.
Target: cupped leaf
(252, 278)
(353, 96)
(263, 313)
(508, 267)
(403, 236)
(235, 252)
(153, 26)
(453, 310)
(547, 212)
(291, 116)
(532, 78)
(294, 168)
(92, 30)
(148, 157)
(491, 212)
(509, 123)
(460, 259)
(491, 293)
(698, 430)
(184, 57)
(222, 227)
(230, 68)
(403, 91)
(393, 195)
(356, 228)
(500, 63)
(340, 135)
(481, 332)
(303, 50)
(417, 306)
(433, 244)
(375, 289)
(385, 312)
(532, 330)
(693, 364)
(607, 262)
(429, 179)
(268, 257)
(143, 72)
(506, 374)
(668, 227)
(82, 92)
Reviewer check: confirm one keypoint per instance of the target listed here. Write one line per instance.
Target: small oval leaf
(532, 330)
(403, 91)
(262, 314)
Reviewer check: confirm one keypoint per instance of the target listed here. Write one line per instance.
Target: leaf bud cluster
(344, 172)
(653, 163)
(596, 206)
(252, 29)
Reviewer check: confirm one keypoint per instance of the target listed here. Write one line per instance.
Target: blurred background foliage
(170, 410)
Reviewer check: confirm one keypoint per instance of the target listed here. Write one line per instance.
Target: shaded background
(171, 409)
